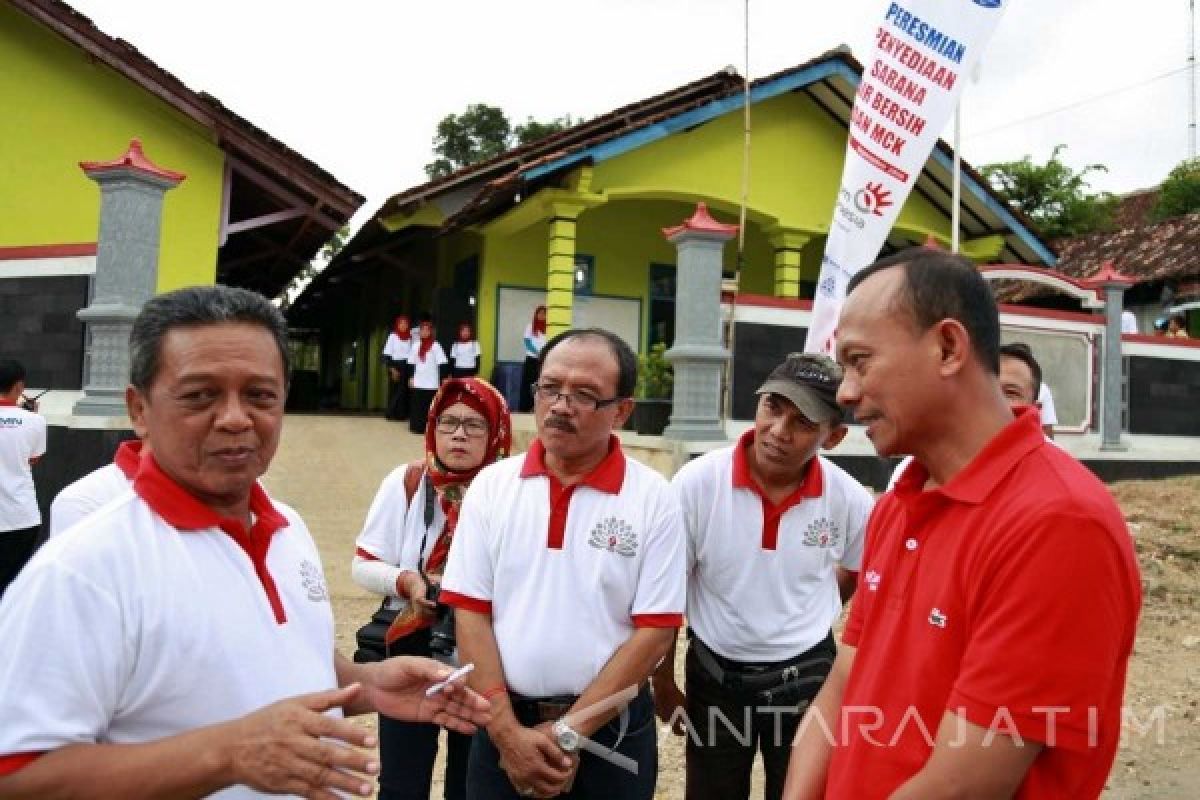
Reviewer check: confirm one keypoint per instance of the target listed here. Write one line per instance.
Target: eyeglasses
(549, 393)
(475, 428)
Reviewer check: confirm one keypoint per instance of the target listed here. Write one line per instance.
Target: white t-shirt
(425, 370)
(567, 573)
(391, 536)
(397, 348)
(128, 628)
(762, 581)
(465, 354)
(22, 437)
(97, 488)
(1046, 403)
(534, 342)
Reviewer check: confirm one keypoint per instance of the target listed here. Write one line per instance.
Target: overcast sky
(359, 85)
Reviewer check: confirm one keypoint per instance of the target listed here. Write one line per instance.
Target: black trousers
(398, 392)
(464, 372)
(596, 778)
(421, 400)
(729, 726)
(407, 750)
(16, 547)
(529, 375)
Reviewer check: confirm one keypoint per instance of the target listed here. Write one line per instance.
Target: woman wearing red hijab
(395, 357)
(427, 360)
(464, 353)
(399, 556)
(535, 340)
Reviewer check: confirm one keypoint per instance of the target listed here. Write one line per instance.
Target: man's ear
(835, 436)
(135, 405)
(624, 410)
(954, 344)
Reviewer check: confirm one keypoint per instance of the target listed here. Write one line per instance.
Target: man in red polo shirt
(775, 536)
(179, 642)
(567, 576)
(986, 651)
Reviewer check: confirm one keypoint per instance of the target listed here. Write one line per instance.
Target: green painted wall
(73, 109)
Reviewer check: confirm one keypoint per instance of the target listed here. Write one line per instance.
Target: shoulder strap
(412, 479)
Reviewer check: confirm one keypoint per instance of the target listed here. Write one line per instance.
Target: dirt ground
(329, 467)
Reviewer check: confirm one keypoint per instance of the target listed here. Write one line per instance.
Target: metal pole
(1191, 79)
(956, 199)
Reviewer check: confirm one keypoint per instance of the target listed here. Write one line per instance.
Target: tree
(482, 132)
(313, 268)
(1053, 195)
(1180, 192)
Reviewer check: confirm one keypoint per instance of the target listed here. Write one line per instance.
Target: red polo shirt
(1010, 597)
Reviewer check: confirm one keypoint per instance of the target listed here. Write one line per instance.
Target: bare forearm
(847, 582)
(477, 645)
(349, 672)
(192, 764)
(813, 747)
(665, 673)
(631, 665)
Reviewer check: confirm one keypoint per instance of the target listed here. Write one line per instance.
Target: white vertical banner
(922, 52)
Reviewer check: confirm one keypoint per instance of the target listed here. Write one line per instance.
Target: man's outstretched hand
(395, 687)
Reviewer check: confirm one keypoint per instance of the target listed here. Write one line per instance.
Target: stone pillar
(560, 268)
(1114, 284)
(789, 246)
(698, 355)
(131, 197)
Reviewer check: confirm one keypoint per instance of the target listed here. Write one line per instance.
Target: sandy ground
(328, 468)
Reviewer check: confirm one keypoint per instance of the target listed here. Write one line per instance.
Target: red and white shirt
(567, 573)
(22, 437)
(762, 582)
(94, 490)
(154, 616)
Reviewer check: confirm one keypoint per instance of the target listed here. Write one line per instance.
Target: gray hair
(193, 307)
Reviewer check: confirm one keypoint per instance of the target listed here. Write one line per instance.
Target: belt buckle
(790, 674)
(549, 712)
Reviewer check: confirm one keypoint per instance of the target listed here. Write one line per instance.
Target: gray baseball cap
(811, 382)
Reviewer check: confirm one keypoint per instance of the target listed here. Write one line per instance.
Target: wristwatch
(568, 739)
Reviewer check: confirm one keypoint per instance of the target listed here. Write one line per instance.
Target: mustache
(560, 423)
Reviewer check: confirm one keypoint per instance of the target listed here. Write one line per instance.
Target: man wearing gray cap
(775, 536)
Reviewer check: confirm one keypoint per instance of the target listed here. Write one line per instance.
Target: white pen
(451, 678)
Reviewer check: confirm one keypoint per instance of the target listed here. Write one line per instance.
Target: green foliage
(1180, 192)
(655, 374)
(1053, 195)
(482, 132)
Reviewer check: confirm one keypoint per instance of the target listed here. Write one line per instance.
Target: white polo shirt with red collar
(762, 585)
(94, 490)
(155, 616)
(22, 437)
(567, 572)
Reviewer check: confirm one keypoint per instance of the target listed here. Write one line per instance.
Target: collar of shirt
(812, 484)
(128, 458)
(997, 458)
(6, 402)
(607, 476)
(184, 512)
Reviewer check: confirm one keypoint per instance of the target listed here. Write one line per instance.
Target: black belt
(535, 710)
(758, 677)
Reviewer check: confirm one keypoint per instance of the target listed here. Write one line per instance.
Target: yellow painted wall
(60, 109)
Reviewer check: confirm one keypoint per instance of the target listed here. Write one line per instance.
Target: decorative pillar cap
(701, 222)
(134, 159)
(1109, 275)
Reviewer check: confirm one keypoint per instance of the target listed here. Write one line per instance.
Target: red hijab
(402, 327)
(539, 325)
(427, 340)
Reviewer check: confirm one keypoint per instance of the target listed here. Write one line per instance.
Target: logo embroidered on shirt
(937, 618)
(872, 579)
(615, 536)
(822, 533)
(313, 582)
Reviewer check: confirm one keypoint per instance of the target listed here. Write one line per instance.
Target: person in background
(189, 620)
(464, 353)
(22, 443)
(395, 357)
(534, 340)
(98, 487)
(399, 557)
(1177, 327)
(428, 361)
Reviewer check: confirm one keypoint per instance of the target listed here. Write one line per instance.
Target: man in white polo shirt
(22, 442)
(775, 537)
(567, 576)
(179, 641)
